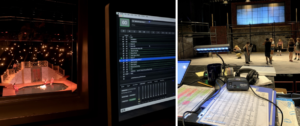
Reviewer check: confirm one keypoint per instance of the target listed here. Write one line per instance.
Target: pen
(204, 84)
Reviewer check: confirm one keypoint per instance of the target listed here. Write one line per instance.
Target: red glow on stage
(6, 31)
(1, 32)
(57, 34)
(25, 33)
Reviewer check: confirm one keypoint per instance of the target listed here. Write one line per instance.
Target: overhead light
(212, 48)
(247, 0)
(225, 2)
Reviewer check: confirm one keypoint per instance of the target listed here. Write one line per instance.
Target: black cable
(199, 107)
(270, 102)
(223, 63)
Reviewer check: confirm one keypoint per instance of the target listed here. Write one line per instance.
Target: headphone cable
(270, 102)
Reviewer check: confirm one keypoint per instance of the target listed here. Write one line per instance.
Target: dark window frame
(35, 108)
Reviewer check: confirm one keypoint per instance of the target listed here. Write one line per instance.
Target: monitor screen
(181, 69)
(260, 13)
(146, 71)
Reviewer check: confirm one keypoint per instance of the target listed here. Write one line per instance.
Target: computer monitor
(141, 61)
(146, 62)
(182, 66)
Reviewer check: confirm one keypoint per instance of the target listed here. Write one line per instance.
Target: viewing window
(260, 13)
(38, 48)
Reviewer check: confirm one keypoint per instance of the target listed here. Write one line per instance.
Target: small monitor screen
(181, 69)
(146, 55)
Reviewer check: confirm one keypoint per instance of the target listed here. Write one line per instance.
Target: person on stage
(291, 46)
(297, 49)
(279, 46)
(250, 50)
(15, 87)
(45, 82)
(52, 80)
(272, 46)
(237, 50)
(247, 53)
(267, 44)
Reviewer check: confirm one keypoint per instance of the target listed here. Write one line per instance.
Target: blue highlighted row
(146, 59)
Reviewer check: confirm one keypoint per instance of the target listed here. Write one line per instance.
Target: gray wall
(259, 39)
(185, 44)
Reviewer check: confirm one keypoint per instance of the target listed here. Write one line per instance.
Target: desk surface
(190, 77)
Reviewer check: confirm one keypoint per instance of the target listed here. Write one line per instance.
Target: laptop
(182, 66)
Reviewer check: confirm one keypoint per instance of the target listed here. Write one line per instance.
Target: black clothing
(279, 48)
(291, 47)
(267, 48)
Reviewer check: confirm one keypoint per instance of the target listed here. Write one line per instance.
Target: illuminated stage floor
(281, 63)
(9, 90)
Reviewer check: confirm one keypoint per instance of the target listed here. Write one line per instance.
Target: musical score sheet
(237, 108)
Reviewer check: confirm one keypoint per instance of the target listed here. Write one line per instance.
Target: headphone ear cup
(237, 74)
(250, 77)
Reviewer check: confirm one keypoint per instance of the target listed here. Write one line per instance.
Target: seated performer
(46, 82)
(237, 50)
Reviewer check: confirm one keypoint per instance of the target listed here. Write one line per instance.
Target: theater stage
(280, 63)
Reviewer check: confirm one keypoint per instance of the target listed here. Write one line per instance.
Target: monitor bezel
(112, 62)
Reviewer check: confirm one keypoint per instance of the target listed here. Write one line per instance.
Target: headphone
(251, 77)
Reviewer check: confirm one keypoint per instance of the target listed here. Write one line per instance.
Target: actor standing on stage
(297, 49)
(250, 50)
(247, 53)
(279, 46)
(291, 46)
(267, 44)
(272, 46)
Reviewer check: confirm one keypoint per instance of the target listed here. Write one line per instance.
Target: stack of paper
(237, 108)
(288, 108)
(190, 97)
(266, 71)
(262, 80)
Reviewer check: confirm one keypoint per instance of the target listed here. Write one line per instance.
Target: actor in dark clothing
(267, 44)
(291, 46)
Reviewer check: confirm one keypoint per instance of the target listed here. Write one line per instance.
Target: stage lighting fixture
(212, 48)
(247, 0)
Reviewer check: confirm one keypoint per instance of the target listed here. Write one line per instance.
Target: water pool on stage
(41, 88)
